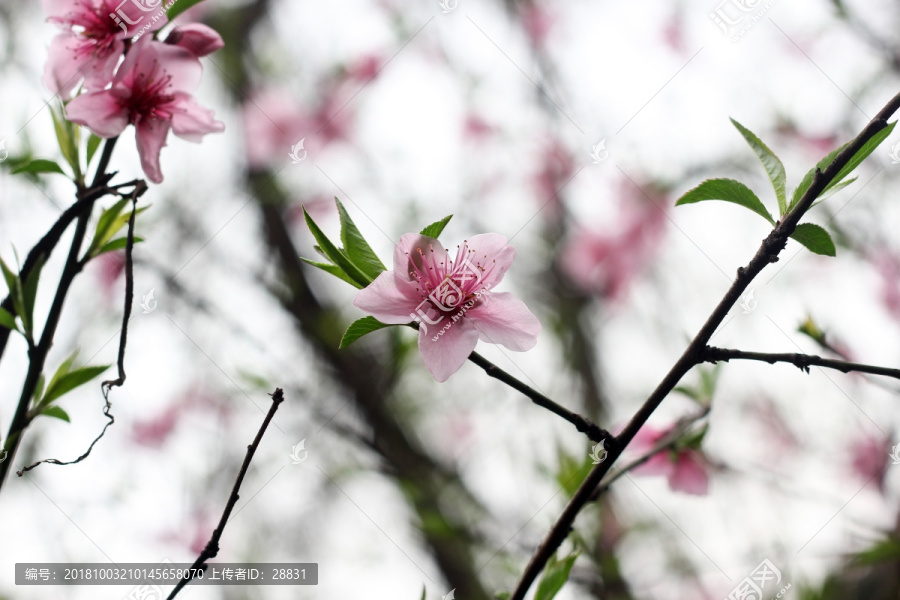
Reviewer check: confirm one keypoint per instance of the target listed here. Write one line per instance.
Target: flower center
(448, 285)
(148, 98)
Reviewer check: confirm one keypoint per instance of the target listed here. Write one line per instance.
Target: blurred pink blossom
(870, 457)
(453, 300)
(154, 432)
(537, 21)
(152, 91)
(111, 267)
(686, 470)
(196, 38)
(556, 170)
(888, 267)
(606, 262)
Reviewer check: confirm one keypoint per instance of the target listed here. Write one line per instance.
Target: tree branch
(801, 361)
(767, 253)
(582, 424)
(212, 547)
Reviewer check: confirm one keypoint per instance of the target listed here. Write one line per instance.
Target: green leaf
(361, 327)
(181, 6)
(861, 155)
(356, 247)
(815, 238)
(29, 293)
(771, 163)
(38, 390)
(435, 229)
(92, 144)
(68, 143)
(335, 255)
(883, 550)
(423, 593)
(15, 291)
(71, 380)
(728, 190)
(331, 269)
(555, 576)
(55, 411)
(835, 189)
(502, 596)
(39, 165)
(7, 320)
(111, 221)
(117, 244)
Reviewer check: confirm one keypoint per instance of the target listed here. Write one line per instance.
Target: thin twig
(582, 424)
(767, 253)
(801, 361)
(212, 547)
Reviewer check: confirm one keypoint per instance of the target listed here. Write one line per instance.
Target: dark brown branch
(582, 424)
(767, 253)
(212, 547)
(801, 361)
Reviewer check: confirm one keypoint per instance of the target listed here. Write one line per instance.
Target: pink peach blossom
(197, 38)
(870, 457)
(152, 91)
(453, 301)
(607, 262)
(91, 44)
(685, 469)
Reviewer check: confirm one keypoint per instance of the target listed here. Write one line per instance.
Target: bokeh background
(493, 112)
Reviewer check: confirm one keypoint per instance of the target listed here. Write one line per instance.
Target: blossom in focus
(91, 44)
(452, 300)
(152, 91)
(686, 469)
(197, 38)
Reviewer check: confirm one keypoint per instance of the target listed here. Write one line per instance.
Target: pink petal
(445, 356)
(407, 250)
(197, 38)
(65, 63)
(101, 112)
(57, 8)
(689, 475)
(191, 121)
(101, 68)
(388, 300)
(154, 60)
(151, 137)
(492, 254)
(504, 319)
(658, 464)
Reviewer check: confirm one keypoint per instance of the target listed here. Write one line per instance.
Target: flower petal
(407, 257)
(492, 255)
(65, 62)
(501, 318)
(689, 475)
(190, 120)
(151, 137)
(196, 38)
(446, 355)
(388, 300)
(101, 112)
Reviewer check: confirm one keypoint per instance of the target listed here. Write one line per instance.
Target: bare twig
(767, 253)
(212, 547)
(801, 361)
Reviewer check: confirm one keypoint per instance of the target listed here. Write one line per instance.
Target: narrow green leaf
(335, 255)
(884, 550)
(835, 189)
(92, 144)
(104, 223)
(771, 163)
(55, 411)
(423, 593)
(39, 165)
(70, 381)
(15, 292)
(331, 269)
(29, 291)
(356, 247)
(436, 228)
(7, 320)
(181, 6)
(67, 143)
(728, 190)
(502, 596)
(38, 390)
(555, 576)
(361, 327)
(117, 244)
(814, 238)
(861, 154)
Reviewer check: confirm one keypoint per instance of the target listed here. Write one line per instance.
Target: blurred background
(569, 127)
